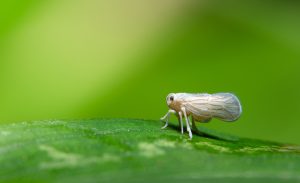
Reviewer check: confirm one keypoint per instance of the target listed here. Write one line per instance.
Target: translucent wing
(224, 106)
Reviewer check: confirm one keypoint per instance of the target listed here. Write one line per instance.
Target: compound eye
(172, 98)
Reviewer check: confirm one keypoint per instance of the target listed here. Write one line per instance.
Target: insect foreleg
(180, 121)
(167, 117)
(187, 122)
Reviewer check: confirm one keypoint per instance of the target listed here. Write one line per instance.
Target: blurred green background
(64, 59)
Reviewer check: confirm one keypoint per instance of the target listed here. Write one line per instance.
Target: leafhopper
(202, 107)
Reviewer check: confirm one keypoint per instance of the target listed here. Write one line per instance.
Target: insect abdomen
(201, 119)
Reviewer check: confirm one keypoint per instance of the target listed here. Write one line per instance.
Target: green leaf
(131, 150)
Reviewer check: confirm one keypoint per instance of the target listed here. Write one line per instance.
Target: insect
(202, 107)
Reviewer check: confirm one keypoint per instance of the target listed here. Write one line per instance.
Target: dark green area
(132, 150)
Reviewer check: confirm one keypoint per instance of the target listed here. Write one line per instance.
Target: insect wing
(224, 106)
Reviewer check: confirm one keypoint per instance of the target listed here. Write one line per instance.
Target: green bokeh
(82, 59)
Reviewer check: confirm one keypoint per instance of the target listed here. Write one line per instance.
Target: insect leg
(180, 121)
(194, 124)
(187, 123)
(167, 117)
(190, 122)
(195, 127)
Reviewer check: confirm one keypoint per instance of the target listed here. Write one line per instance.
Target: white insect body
(202, 107)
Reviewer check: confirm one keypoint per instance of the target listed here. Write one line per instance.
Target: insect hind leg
(194, 127)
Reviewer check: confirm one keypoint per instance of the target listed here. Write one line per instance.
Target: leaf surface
(131, 150)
